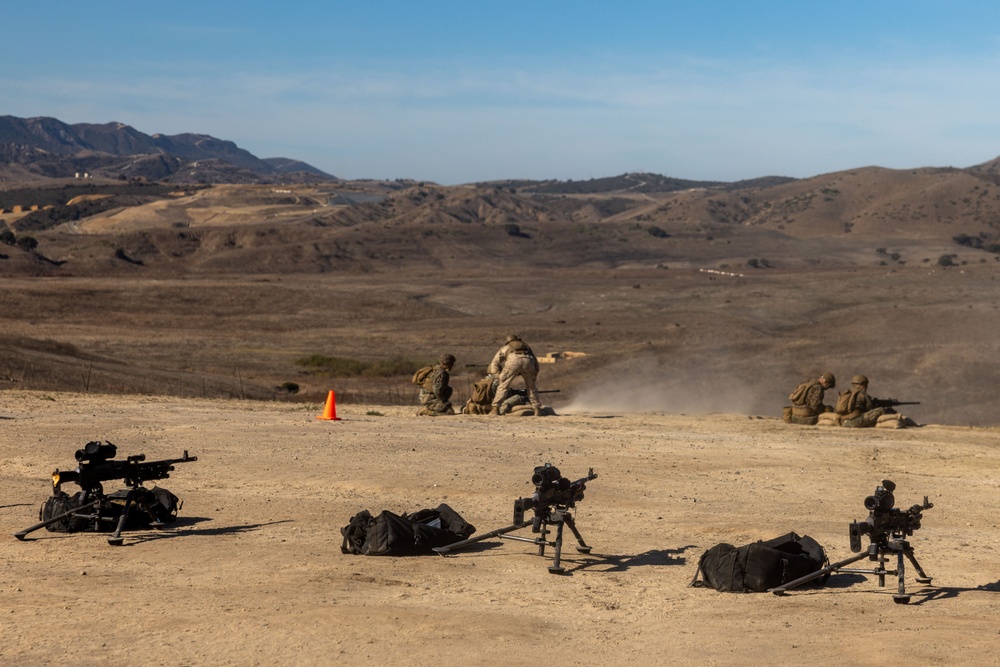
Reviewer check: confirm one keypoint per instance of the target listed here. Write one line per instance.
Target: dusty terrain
(252, 574)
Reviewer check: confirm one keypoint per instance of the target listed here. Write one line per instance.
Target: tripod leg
(900, 597)
(542, 539)
(781, 590)
(583, 548)
(556, 568)
(116, 538)
(447, 549)
(59, 517)
(880, 570)
(923, 578)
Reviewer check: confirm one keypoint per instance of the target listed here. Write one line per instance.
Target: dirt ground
(252, 573)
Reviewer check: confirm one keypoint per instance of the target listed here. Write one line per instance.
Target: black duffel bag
(759, 566)
(391, 534)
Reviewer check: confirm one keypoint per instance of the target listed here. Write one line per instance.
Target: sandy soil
(252, 573)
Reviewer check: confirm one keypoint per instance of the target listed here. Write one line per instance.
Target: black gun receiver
(96, 466)
(552, 491)
(884, 520)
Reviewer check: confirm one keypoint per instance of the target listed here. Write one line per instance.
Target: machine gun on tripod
(551, 503)
(91, 507)
(886, 527)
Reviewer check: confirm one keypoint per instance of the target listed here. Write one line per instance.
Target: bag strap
(695, 582)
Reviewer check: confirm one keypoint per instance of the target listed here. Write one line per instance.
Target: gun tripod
(560, 516)
(877, 552)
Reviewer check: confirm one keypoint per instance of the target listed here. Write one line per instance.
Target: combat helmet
(447, 359)
(859, 379)
(831, 381)
(509, 337)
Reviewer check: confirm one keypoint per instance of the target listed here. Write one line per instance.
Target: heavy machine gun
(550, 504)
(887, 528)
(91, 507)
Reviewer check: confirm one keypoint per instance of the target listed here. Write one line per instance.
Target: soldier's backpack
(759, 566)
(843, 402)
(484, 391)
(421, 375)
(798, 394)
(519, 345)
(413, 534)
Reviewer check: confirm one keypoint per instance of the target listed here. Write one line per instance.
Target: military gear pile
(162, 505)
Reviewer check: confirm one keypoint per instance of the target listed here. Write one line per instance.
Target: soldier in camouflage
(435, 392)
(807, 399)
(515, 359)
(856, 408)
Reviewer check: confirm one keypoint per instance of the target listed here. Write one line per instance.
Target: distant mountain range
(48, 148)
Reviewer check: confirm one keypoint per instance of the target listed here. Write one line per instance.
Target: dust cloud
(649, 384)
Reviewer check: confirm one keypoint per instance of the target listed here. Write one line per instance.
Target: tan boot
(495, 411)
(538, 412)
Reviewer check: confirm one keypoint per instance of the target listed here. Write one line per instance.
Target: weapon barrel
(549, 391)
(583, 480)
(183, 459)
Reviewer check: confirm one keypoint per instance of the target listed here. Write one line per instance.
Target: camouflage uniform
(809, 404)
(856, 408)
(515, 359)
(435, 392)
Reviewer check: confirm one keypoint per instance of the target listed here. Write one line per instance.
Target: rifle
(96, 466)
(891, 402)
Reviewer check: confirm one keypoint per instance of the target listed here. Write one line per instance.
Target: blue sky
(455, 92)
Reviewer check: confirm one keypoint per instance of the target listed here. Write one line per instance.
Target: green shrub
(338, 367)
(968, 241)
(392, 367)
(27, 243)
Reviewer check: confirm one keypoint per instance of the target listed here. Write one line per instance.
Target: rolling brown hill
(221, 290)
(864, 217)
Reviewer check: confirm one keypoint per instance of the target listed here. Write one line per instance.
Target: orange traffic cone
(330, 411)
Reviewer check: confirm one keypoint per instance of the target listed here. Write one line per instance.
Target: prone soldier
(856, 409)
